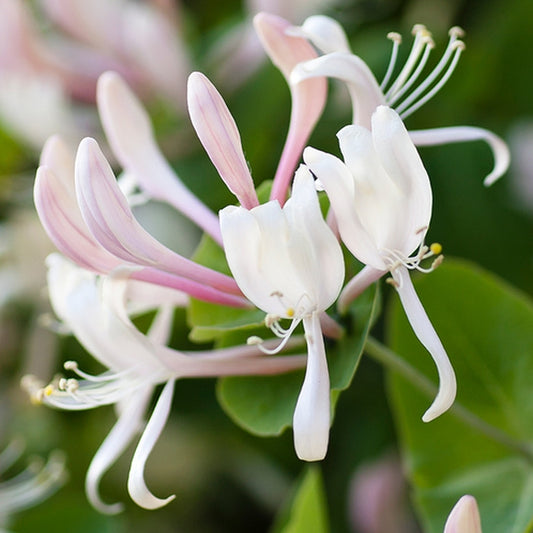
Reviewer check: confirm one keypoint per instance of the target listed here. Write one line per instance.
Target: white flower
(464, 517)
(405, 93)
(96, 310)
(289, 264)
(381, 197)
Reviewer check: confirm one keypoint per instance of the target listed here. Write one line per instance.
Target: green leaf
(308, 508)
(264, 405)
(486, 327)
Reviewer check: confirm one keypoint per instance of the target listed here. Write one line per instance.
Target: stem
(394, 362)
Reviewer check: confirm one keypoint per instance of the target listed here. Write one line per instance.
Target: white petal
(464, 517)
(324, 32)
(113, 446)
(339, 185)
(315, 252)
(403, 165)
(137, 488)
(363, 87)
(455, 134)
(311, 418)
(428, 337)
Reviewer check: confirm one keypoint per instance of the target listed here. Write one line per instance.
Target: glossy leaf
(484, 445)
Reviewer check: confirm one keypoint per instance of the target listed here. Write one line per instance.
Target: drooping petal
(137, 488)
(220, 138)
(311, 418)
(464, 517)
(338, 183)
(426, 334)
(114, 445)
(308, 97)
(362, 86)
(325, 33)
(130, 134)
(499, 148)
(109, 217)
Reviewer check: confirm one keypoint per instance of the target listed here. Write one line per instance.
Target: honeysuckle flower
(464, 517)
(381, 197)
(405, 93)
(292, 268)
(92, 224)
(30, 487)
(136, 364)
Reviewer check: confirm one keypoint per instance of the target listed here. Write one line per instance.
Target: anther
(290, 312)
(418, 28)
(456, 31)
(70, 365)
(254, 340)
(394, 36)
(48, 390)
(458, 45)
(436, 248)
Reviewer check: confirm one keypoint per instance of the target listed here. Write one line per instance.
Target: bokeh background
(226, 480)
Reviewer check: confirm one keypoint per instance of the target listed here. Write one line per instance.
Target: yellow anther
(436, 248)
(459, 45)
(418, 28)
(48, 390)
(290, 312)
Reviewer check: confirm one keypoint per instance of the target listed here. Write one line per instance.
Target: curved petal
(311, 418)
(428, 337)
(114, 445)
(464, 517)
(339, 186)
(308, 97)
(324, 32)
(137, 488)
(61, 218)
(500, 150)
(129, 132)
(363, 87)
(403, 165)
(109, 217)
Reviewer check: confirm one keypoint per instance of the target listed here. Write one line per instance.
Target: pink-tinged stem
(196, 289)
(308, 97)
(361, 281)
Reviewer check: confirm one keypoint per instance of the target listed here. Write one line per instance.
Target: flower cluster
(285, 257)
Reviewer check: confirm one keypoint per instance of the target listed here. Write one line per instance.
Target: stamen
(429, 45)
(396, 39)
(421, 34)
(455, 47)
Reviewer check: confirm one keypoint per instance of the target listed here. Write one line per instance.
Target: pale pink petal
(220, 137)
(109, 217)
(61, 218)
(464, 517)
(308, 97)
(500, 150)
(130, 134)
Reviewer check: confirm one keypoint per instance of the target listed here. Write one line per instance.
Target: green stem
(394, 362)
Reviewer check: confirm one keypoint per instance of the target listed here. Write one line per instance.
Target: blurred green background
(224, 479)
